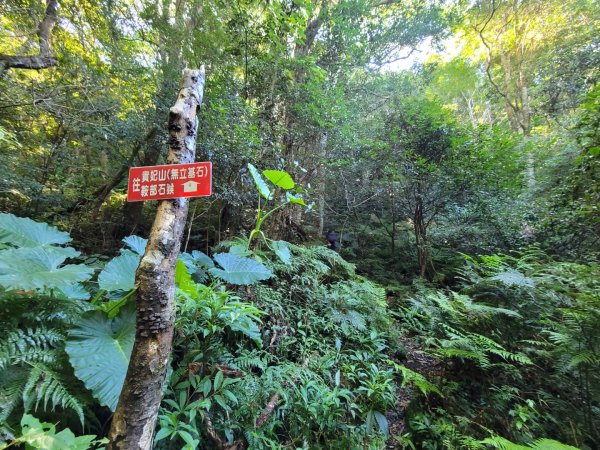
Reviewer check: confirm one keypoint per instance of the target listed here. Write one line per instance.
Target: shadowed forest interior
(396, 246)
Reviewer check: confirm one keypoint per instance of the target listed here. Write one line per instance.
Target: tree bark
(46, 58)
(133, 424)
(420, 228)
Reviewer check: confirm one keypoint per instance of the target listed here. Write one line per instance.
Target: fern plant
(539, 444)
(35, 374)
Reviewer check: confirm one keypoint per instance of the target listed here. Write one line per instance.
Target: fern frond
(11, 388)
(44, 385)
(418, 380)
(540, 444)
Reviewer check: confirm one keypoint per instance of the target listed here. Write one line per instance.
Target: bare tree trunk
(423, 254)
(322, 187)
(133, 424)
(46, 57)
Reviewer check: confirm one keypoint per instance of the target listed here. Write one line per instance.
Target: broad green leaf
(136, 243)
(382, 422)
(38, 269)
(594, 151)
(183, 279)
(162, 433)
(239, 270)
(24, 232)
(203, 259)
(239, 250)
(43, 436)
(263, 189)
(99, 349)
(196, 259)
(119, 272)
(280, 179)
(187, 437)
(75, 291)
(282, 251)
(218, 380)
(297, 199)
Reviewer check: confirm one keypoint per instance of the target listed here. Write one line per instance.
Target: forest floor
(418, 361)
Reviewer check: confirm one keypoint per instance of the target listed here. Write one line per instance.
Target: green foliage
(40, 269)
(512, 342)
(279, 178)
(263, 188)
(119, 272)
(333, 385)
(43, 436)
(416, 379)
(24, 232)
(539, 444)
(34, 370)
(239, 270)
(480, 151)
(36, 264)
(99, 349)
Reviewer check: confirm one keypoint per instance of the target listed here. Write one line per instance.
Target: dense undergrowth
(314, 356)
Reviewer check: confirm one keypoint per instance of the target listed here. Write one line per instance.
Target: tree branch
(46, 57)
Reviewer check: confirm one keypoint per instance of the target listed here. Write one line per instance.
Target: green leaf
(196, 259)
(203, 259)
(280, 179)
(43, 436)
(38, 269)
(263, 189)
(297, 199)
(513, 277)
(239, 270)
(187, 437)
(382, 422)
(119, 273)
(540, 444)
(282, 251)
(218, 380)
(99, 351)
(136, 243)
(162, 433)
(183, 279)
(239, 250)
(24, 232)
(594, 151)
(75, 291)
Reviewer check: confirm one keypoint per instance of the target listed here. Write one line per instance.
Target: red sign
(173, 181)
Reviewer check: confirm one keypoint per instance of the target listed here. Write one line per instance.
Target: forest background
(462, 183)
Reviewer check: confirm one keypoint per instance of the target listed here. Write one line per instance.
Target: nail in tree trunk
(133, 424)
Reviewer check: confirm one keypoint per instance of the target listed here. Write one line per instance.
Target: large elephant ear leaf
(40, 269)
(136, 243)
(282, 250)
(99, 350)
(280, 179)
(263, 189)
(239, 270)
(24, 232)
(119, 272)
